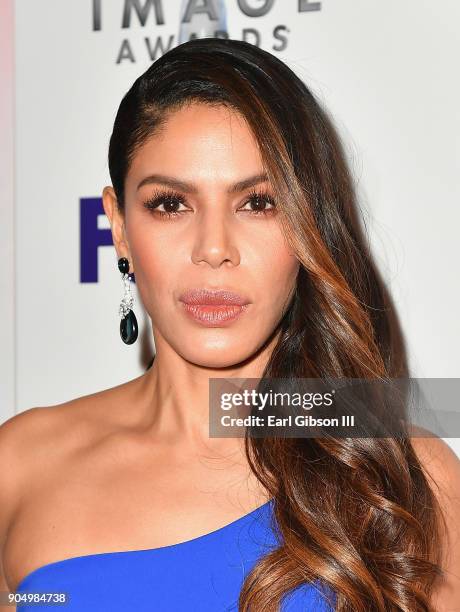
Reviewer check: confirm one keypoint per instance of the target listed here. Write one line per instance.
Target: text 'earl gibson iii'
(302, 420)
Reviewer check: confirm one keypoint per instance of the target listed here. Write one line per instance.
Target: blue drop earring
(128, 323)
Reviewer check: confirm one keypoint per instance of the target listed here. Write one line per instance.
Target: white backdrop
(387, 72)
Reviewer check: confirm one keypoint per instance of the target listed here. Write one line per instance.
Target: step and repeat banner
(385, 70)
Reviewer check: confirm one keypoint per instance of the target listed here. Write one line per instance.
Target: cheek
(157, 265)
(151, 246)
(275, 266)
(281, 281)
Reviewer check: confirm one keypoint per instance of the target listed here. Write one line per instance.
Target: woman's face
(213, 239)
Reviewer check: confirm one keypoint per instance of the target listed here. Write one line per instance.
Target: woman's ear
(117, 223)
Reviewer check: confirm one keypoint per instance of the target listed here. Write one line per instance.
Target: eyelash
(161, 197)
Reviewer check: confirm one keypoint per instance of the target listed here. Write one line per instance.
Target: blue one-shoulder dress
(204, 574)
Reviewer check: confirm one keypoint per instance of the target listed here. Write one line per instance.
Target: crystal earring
(128, 323)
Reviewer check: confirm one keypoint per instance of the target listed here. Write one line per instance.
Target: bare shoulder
(18, 437)
(39, 448)
(442, 466)
(437, 458)
(33, 438)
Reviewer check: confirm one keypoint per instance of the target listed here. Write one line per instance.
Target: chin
(217, 357)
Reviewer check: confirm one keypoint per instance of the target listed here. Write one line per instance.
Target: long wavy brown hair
(358, 514)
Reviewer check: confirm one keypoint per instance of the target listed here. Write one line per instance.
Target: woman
(233, 206)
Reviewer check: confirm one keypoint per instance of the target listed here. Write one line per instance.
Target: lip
(213, 308)
(212, 297)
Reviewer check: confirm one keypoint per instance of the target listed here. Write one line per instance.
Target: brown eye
(261, 203)
(169, 200)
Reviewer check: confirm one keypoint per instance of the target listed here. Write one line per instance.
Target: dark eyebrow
(191, 188)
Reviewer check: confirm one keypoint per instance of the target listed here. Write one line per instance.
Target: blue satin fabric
(204, 574)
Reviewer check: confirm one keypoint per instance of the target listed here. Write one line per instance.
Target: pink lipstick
(213, 308)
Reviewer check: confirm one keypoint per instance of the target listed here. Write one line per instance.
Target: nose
(214, 241)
